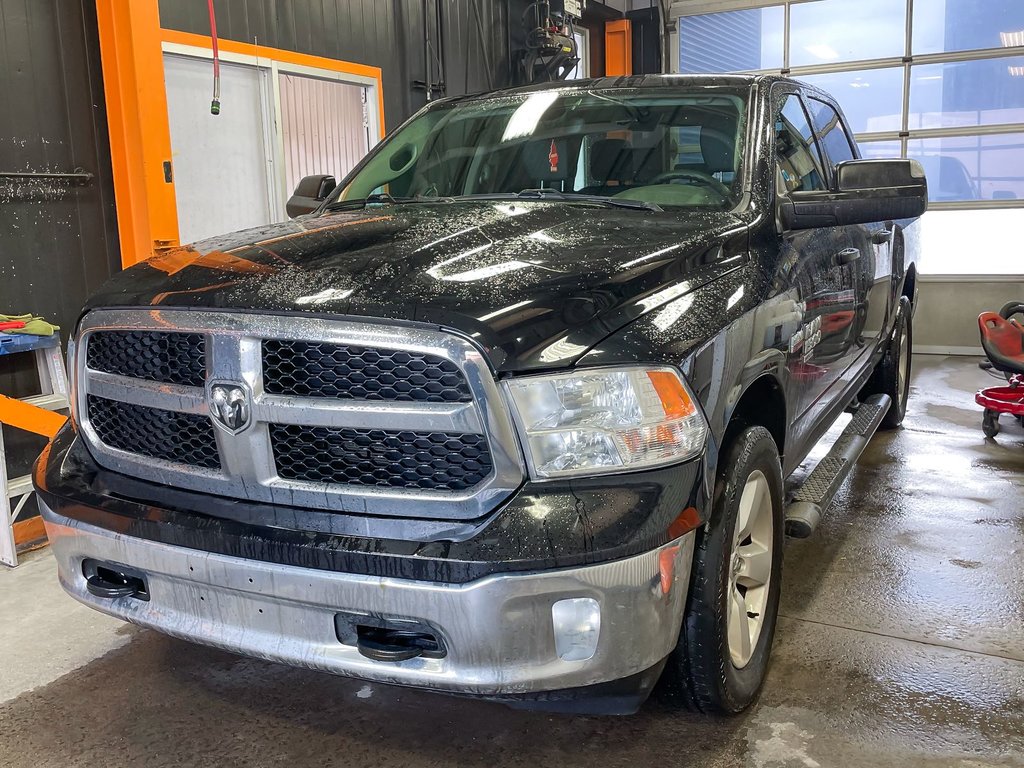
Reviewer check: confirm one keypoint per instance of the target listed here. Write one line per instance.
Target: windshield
(676, 149)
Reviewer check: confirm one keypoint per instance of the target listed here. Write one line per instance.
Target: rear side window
(798, 162)
(831, 132)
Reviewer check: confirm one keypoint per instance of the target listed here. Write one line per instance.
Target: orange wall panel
(618, 48)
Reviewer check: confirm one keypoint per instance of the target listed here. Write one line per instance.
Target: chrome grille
(172, 358)
(316, 369)
(428, 460)
(159, 434)
(423, 433)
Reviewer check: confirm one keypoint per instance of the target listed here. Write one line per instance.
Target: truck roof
(633, 81)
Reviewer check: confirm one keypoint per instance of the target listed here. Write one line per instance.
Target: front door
(821, 264)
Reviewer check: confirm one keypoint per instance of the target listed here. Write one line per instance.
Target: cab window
(799, 166)
(831, 132)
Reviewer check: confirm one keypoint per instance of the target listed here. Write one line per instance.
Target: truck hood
(535, 283)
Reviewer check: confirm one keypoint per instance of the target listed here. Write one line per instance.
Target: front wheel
(892, 374)
(722, 655)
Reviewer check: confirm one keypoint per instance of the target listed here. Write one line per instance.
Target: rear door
(871, 265)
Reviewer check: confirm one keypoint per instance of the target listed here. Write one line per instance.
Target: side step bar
(815, 495)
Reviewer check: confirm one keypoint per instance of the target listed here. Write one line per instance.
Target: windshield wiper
(381, 198)
(569, 197)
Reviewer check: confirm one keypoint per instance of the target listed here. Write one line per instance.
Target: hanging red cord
(215, 104)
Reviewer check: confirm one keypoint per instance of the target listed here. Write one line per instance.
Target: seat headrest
(718, 144)
(647, 163)
(611, 160)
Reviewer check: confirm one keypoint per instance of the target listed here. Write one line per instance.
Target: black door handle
(880, 236)
(847, 256)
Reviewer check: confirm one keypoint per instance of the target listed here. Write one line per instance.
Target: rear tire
(737, 576)
(892, 374)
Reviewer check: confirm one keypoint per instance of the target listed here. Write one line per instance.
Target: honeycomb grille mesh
(169, 358)
(179, 437)
(316, 369)
(374, 457)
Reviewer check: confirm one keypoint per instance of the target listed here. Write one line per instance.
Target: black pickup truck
(508, 411)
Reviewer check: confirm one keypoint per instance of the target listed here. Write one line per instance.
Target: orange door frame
(140, 138)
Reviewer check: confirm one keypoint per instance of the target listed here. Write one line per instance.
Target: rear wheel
(892, 374)
(726, 638)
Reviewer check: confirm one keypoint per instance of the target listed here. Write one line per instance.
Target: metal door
(818, 269)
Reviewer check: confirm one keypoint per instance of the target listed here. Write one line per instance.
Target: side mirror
(309, 194)
(864, 191)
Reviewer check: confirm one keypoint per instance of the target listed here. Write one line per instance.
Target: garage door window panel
(732, 41)
(967, 93)
(970, 168)
(872, 99)
(942, 26)
(832, 31)
(880, 150)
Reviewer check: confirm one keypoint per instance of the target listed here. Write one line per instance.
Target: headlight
(606, 420)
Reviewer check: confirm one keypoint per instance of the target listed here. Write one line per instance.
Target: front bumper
(497, 630)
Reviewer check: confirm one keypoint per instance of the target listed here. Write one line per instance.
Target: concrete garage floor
(901, 643)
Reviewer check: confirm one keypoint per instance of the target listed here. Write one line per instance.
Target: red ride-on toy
(1003, 340)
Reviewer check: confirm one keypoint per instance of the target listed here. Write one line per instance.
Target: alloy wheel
(750, 569)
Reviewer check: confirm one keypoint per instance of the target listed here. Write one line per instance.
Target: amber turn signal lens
(674, 398)
(687, 521)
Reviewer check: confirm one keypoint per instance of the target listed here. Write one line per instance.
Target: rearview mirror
(864, 191)
(309, 194)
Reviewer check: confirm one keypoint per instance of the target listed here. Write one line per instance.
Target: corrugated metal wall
(57, 242)
(323, 127)
(385, 33)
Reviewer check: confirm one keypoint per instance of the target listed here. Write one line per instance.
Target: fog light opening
(577, 625)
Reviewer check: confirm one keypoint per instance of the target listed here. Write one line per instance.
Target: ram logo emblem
(229, 404)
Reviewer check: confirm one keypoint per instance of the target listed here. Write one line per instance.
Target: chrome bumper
(498, 630)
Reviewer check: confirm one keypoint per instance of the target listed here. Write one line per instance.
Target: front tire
(722, 656)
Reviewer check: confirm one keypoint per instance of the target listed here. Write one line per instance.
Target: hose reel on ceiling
(551, 52)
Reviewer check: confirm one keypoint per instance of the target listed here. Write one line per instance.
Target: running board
(816, 493)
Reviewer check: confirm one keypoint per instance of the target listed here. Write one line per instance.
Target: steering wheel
(700, 177)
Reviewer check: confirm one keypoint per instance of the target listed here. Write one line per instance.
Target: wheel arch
(907, 275)
(910, 285)
(761, 403)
